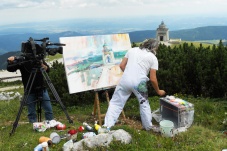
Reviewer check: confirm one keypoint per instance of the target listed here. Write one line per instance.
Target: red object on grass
(61, 127)
(72, 132)
(81, 129)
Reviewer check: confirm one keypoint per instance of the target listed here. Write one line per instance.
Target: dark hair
(150, 45)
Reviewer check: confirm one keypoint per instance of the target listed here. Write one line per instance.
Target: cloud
(19, 10)
(13, 4)
(10, 4)
(153, 4)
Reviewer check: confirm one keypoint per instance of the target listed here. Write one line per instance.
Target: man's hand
(123, 63)
(161, 92)
(11, 59)
(44, 66)
(154, 83)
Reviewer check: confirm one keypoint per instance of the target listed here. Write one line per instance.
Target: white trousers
(121, 95)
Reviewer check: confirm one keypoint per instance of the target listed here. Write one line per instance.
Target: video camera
(32, 51)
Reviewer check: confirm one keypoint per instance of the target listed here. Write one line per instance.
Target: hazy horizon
(115, 25)
(127, 15)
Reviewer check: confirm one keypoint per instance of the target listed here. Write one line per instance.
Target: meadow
(207, 133)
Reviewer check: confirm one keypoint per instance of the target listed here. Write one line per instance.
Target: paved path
(5, 74)
(10, 88)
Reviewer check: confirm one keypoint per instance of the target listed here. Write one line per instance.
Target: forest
(191, 70)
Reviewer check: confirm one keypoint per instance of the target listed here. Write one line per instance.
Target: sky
(22, 11)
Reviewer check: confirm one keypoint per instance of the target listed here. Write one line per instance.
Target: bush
(191, 70)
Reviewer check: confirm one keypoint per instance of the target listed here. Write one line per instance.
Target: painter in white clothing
(137, 64)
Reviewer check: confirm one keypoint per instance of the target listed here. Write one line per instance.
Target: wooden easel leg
(107, 97)
(98, 107)
(95, 106)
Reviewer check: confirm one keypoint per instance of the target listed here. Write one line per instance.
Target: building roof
(162, 25)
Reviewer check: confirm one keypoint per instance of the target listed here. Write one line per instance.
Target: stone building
(162, 33)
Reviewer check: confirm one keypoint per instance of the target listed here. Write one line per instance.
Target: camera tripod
(27, 92)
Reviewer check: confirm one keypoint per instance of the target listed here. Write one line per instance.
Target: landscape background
(189, 71)
(205, 29)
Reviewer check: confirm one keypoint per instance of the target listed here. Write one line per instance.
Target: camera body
(34, 52)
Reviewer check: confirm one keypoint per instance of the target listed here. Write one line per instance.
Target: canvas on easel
(92, 62)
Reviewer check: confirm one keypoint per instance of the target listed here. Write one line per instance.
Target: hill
(138, 36)
(201, 33)
(195, 34)
(12, 42)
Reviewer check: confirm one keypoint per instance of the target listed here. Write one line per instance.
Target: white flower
(224, 122)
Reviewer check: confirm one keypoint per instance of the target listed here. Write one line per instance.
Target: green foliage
(193, 70)
(55, 57)
(134, 44)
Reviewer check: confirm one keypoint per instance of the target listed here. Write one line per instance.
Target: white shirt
(145, 59)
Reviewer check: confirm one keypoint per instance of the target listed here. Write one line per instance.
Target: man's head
(150, 44)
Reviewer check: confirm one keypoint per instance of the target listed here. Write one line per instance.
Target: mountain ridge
(12, 42)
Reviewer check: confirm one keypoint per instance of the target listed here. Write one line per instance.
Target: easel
(97, 106)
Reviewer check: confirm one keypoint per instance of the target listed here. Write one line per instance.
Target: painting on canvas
(92, 62)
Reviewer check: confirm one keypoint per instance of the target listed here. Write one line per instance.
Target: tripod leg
(18, 116)
(24, 101)
(39, 110)
(53, 90)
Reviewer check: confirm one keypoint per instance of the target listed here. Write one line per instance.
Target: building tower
(162, 33)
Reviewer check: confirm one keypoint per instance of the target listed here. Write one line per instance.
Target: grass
(206, 133)
(195, 43)
(55, 57)
(11, 83)
(211, 41)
